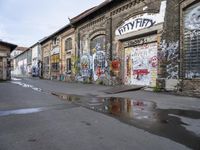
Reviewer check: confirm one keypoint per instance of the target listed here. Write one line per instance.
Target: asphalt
(31, 118)
(163, 100)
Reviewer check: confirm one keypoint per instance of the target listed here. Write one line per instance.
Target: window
(98, 43)
(55, 41)
(46, 64)
(191, 53)
(68, 65)
(68, 44)
(55, 62)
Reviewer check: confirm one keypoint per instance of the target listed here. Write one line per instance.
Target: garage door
(141, 65)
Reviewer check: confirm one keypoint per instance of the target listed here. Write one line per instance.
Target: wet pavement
(21, 111)
(25, 111)
(182, 126)
(18, 82)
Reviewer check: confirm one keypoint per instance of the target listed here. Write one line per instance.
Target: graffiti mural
(100, 65)
(86, 65)
(98, 44)
(169, 52)
(141, 65)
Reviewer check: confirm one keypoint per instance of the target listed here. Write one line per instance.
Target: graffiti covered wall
(141, 65)
(169, 54)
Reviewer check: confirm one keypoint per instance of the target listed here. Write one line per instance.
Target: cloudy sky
(24, 22)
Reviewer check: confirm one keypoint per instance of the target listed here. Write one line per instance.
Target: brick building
(123, 42)
(58, 54)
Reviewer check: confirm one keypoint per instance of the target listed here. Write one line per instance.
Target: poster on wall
(143, 63)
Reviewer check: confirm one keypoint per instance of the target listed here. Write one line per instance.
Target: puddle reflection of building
(131, 109)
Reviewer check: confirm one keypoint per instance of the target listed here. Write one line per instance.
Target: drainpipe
(180, 59)
(110, 37)
(78, 39)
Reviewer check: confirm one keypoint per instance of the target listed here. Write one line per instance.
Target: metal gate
(191, 48)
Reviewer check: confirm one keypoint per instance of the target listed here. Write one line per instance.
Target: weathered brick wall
(169, 54)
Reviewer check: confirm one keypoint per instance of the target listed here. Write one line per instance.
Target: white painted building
(36, 59)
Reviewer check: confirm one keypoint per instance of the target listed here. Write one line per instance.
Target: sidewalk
(163, 100)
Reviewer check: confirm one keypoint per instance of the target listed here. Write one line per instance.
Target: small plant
(100, 82)
(157, 88)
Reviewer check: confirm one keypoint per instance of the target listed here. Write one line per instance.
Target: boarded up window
(191, 49)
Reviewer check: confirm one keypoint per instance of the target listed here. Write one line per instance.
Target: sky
(24, 22)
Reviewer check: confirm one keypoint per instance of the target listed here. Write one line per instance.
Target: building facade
(17, 51)
(58, 53)
(5, 60)
(36, 59)
(118, 42)
(21, 65)
(130, 42)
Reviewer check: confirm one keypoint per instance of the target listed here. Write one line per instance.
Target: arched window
(98, 43)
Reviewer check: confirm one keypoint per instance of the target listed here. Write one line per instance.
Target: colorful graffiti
(85, 65)
(115, 65)
(98, 47)
(142, 62)
(100, 65)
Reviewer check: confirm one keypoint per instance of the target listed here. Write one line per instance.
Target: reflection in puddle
(21, 111)
(123, 108)
(169, 123)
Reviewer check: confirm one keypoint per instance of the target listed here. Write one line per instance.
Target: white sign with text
(142, 21)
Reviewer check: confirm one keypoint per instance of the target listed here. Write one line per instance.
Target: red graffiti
(99, 71)
(141, 72)
(115, 65)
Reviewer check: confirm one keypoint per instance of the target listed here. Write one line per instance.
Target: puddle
(28, 86)
(22, 111)
(182, 126)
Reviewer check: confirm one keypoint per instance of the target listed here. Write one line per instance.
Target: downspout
(110, 38)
